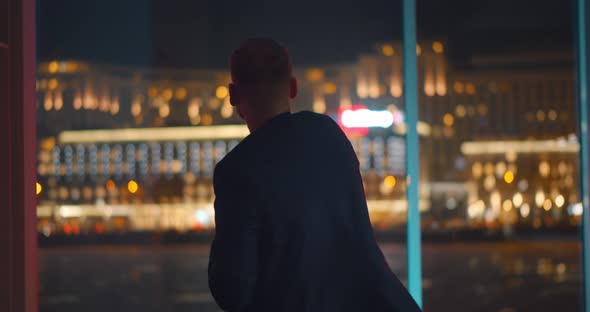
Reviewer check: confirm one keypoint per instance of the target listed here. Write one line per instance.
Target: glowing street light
(508, 177)
(38, 188)
(132, 186)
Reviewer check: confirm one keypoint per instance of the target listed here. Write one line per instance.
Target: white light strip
(103, 211)
(394, 206)
(155, 134)
(70, 211)
(523, 147)
(364, 118)
(88, 210)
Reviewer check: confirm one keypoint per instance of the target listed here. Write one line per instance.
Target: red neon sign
(352, 131)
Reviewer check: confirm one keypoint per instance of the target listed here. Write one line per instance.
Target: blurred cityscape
(133, 114)
(127, 149)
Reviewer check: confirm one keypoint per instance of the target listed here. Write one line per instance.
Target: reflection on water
(515, 276)
(518, 276)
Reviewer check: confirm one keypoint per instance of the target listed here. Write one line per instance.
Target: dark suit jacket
(292, 227)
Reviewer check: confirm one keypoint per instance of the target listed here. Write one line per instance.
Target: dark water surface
(506, 277)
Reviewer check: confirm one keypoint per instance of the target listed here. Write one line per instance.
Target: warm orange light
(547, 204)
(460, 111)
(330, 88)
(429, 88)
(221, 92)
(47, 144)
(448, 132)
(180, 94)
(138, 120)
(164, 110)
(99, 228)
(195, 120)
(319, 105)
(396, 88)
(135, 109)
(418, 50)
(470, 88)
(58, 103)
(39, 188)
(48, 101)
(448, 120)
(206, 119)
(53, 67)
(507, 205)
(77, 101)
(67, 229)
(459, 87)
(213, 103)
(226, 109)
(314, 74)
(52, 84)
(110, 185)
(387, 50)
(167, 94)
(438, 47)
(482, 109)
(152, 91)
(132, 186)
(105, 104)
(115, 106)
(508, 177)
(390, 181)
(193, 108)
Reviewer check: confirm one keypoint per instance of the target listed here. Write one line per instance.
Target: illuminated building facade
(485, 134)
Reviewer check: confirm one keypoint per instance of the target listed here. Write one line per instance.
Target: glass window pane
(133, 115)
(501, 163)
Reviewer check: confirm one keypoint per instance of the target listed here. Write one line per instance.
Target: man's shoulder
(235, 156)
(313, 117)
(232, 158)
(251, 142)
(245, 152)
(320, 123)
(317, 122)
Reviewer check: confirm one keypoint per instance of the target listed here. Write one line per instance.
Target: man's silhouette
(292, 226)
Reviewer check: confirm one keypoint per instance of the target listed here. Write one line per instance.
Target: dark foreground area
(490, 276)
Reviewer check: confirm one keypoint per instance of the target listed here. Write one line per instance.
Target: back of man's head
(262, 79)
(260, 61)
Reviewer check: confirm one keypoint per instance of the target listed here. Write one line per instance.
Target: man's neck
(257, 124)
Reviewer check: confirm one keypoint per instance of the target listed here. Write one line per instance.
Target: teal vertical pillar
(412, 159)
(583, 119)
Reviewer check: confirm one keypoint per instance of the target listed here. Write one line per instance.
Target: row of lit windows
(545, 169)
(138, 190)
(158, 99)
(461, 111)
(385, 155)
(53, 100)
(143, 158)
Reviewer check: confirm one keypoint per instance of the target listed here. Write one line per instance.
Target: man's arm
(395, 294)
(232, 262)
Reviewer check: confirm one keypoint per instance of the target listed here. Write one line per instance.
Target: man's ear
(233, 94)
(293, 88)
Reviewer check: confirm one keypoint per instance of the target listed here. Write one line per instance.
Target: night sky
(202, 33)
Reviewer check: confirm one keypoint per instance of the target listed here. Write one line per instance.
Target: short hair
(260, 61)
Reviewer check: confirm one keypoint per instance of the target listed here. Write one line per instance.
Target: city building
(127, 149)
